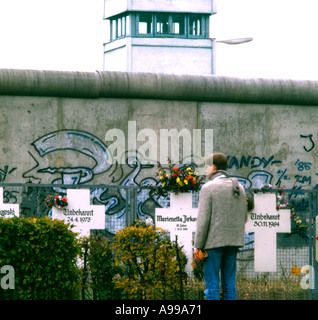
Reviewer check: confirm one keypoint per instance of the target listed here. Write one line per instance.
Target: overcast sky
(69, 35)
(284, 32)
(52, 34)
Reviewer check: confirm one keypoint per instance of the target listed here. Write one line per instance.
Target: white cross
(80, 213)
(8, 210)
(180, 220)
(265, 221)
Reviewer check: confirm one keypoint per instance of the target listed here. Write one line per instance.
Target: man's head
(220, 161)
(217, 161)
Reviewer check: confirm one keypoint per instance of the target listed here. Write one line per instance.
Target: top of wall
(156, 86)
(114, 7)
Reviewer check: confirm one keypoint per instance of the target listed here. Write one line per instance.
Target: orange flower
(295, 271)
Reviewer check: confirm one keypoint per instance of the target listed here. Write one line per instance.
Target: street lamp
(236, 41)
(228, 41)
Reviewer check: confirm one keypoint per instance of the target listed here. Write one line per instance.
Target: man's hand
(197, 259)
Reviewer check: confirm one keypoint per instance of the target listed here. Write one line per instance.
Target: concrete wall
(53, 124)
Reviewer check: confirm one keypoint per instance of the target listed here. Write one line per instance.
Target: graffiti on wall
(87, 147)
(5, 172)
(84, 143)
(92, 160)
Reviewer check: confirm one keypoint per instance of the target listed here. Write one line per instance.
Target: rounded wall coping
(132, 85)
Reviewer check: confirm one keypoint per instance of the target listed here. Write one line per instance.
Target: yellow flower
(163, 184)
(185, 181)
(161, 178)
(179, 182)
(189, 169)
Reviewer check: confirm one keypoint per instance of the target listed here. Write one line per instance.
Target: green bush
(43, 253)
(101, 268)
(151, 266)
(140, 263)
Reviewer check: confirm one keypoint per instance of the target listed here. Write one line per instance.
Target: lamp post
(228, 41)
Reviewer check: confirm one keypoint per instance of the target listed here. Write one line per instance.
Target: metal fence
(125, 204)
(295, 255)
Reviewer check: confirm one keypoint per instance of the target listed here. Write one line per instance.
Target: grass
(264, 289)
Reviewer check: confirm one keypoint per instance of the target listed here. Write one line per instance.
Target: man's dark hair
(220, 161)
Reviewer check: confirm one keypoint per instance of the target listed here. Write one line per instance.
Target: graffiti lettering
(283, 176)
(10, 196)
(254, 162)
(302, 179)
(303, 165)
(311, 141)
(5, 172)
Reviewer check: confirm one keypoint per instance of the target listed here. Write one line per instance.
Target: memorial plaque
(266, 221)
(8, 210)
(180, 220)
(80, 213)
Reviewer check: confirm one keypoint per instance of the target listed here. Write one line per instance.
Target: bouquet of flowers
(57, 201)
(176, 179)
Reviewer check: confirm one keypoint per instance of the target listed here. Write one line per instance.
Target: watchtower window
(178, 25)
(195, 25)
(120, 27)
(159, 24)
(163, 25)
(145, 23)
(170, 24)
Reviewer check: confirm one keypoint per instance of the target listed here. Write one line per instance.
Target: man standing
(220, 227)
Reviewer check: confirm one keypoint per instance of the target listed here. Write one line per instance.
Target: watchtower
(163, 36)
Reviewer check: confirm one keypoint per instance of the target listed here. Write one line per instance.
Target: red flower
(194, 182)
(174, 175)
(176, 169)
(190, 177)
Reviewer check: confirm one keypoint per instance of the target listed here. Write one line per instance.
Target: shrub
(43, 253)
(101, 266)
(151, 266)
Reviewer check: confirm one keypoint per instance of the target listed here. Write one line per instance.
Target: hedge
(43, 253)
(50, 262)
